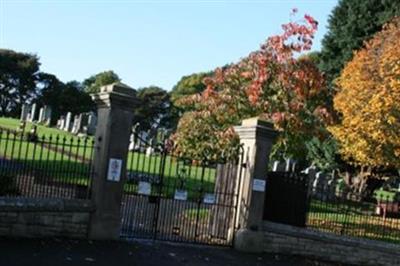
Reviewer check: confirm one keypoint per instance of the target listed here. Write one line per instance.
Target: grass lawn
(353, 219)
(67, 158)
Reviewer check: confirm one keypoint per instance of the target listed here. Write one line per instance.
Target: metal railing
(332, 209)
(58, 166)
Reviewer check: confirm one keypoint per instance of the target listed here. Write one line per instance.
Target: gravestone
(61, 123)
(149, 151)
(41, 115)
(47, 115)
(75, 125)
(132, 142)
(83, 123)
(32, 113)
(67, 124)
(92, 122)
(278, 166)
(319, 185)
(24, 112)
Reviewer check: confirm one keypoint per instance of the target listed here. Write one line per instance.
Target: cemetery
(287, 151)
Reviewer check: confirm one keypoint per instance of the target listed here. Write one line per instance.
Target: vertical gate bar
(160, 186)
(237, 192)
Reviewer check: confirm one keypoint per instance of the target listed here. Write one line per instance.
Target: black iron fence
(333, 209)
(56, 166)
(295, 200)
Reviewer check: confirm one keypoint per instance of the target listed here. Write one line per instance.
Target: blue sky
(145, 42)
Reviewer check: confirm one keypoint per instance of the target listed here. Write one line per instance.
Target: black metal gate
(286, 198)
(176, 199)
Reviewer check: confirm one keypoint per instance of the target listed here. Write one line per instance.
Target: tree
(189, 85)
(94, 82)
(74, 99)
(18, 77)
(351, 23)
(369, 102)
(63, 98)
(154, 110)
(271, 82)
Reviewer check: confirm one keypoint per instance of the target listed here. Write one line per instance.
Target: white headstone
(41, 115)
(24, 112)
(67, 124)
(33, 113)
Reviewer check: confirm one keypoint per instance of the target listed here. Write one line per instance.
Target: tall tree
(272, 82)
(94, 82)
(369, 102)
(189, 85)
(63, 98)
(18, 78)
(154, 110)
(351, 23)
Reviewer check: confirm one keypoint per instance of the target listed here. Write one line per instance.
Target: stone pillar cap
(116, 94)
(257, 121)
(118, 87)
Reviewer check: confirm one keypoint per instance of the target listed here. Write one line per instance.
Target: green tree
(94, 82)
(189, 85)
(351, 23)
(63, 98)
(18, 78)
(154, 110)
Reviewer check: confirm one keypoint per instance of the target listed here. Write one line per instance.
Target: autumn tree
(271, 82)
(369, 102)
(350, 24)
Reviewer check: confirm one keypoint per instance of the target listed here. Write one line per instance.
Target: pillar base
(247, 240)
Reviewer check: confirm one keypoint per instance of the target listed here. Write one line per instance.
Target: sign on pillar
(114, 170)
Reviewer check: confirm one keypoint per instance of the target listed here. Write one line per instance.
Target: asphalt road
(61, 252)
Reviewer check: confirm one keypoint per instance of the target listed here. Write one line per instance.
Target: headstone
(278, 167)
(61, 122)
(47, 115)
(75, 125)
(83, 123)
(32, 113)
(290, 165)
(24, 112)
(41, 115)
(319, 185)
(132, 142)
(67, 124)
(149, 151)
(92, 122)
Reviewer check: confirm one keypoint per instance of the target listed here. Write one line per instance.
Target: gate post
(115, 106)
(257, 137)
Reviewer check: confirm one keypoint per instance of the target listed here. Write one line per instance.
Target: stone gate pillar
(257, 137)
(115, 106)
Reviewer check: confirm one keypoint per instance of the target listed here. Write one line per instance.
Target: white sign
(180, 194)
(144, 188)
(259, 185)
(114, 170)
(209, 198)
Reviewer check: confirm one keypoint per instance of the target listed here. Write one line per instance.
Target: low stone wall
(286, 239)
(24, 217)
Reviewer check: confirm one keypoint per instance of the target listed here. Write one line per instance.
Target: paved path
(67, 253)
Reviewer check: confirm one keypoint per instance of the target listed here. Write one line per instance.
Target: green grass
(353, 219)
(61, 156)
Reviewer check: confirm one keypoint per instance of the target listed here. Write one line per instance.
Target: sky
(146, 43)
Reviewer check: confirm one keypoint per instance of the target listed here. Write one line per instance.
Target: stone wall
(24, 217)
(286, 239)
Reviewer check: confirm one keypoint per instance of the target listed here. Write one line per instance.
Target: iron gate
(177, 199)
